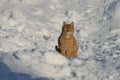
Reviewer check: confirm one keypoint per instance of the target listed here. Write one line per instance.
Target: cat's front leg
(62, 51)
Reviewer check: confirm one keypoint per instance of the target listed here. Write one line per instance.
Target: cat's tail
(57, 49)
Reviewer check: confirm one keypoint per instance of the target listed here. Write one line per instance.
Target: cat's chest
(67, 41)
(67, 44)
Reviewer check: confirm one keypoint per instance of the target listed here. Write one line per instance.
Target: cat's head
(68, 28)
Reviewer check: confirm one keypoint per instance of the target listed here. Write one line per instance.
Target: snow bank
(55, 59)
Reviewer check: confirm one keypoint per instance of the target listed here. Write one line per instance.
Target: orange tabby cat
(67, 44)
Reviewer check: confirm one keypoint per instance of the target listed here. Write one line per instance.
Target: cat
(67, 44)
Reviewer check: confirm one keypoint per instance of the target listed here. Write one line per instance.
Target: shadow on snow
(6, 74)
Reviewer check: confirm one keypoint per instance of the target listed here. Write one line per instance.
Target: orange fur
(67, 44)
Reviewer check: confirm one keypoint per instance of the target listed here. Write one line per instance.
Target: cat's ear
(72, 23)
(64, 22)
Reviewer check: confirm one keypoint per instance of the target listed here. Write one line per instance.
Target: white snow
(58, 59)
(29, 31)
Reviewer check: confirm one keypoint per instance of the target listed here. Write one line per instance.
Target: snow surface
(29, 30)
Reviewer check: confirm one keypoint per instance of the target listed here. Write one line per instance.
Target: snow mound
(55, 58)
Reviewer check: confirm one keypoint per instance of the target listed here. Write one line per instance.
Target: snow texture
(29, 30)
